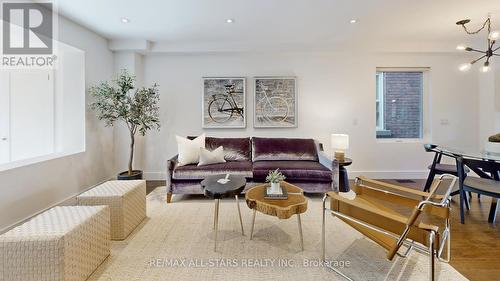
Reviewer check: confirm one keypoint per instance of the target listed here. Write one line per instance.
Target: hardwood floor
(475, 245)
(151, 185)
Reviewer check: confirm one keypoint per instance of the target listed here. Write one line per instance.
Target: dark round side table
(214, 188)
(343, 177)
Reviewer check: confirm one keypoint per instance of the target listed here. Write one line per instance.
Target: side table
(343, 177)
(216, 190)
(296, 204)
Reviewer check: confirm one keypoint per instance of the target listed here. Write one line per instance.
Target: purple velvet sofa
(302, 161)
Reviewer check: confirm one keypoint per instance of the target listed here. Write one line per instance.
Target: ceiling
(294, 25)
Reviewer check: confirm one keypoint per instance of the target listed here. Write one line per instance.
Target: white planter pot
(275, 187)
(492, 147)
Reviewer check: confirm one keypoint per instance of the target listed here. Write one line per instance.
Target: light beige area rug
(176, 242)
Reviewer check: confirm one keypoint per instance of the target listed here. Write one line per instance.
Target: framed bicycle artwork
(275, 102)
(223, 102)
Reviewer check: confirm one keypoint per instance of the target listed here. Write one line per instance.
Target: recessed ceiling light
(125, 20)
(353, 21)
(229, 20)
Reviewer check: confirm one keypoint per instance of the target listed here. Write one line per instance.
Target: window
(29, 126)
(380, 101)
(399, 103)
(42, 111)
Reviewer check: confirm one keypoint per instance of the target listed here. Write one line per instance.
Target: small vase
(275, 187)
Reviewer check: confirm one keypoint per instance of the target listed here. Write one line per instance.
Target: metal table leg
(323, 241)
(300, 232)
(215, 213)
(239, 213)
(493, 210)
(216, 220)
(253, 223)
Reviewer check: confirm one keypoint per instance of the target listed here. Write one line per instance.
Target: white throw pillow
(189, 150)
(211, 157)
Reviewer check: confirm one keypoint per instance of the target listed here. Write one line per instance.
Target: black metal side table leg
(343, 180)
(343, 177)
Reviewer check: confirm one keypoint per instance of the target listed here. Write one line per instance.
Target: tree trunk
(131, 159)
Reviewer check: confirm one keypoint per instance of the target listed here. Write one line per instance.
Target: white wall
(336, 94)
(486, 113)
(497, 99)
(27, 190)
(489, 104)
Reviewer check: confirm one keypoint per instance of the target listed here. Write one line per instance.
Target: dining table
(475, 153)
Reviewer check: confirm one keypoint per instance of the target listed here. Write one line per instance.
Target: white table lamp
(340, 142)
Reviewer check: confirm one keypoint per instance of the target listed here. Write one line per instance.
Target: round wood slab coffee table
(295, 204)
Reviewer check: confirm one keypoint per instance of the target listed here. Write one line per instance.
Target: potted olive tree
(119, 100)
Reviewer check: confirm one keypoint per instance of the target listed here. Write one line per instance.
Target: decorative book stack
(268, 194)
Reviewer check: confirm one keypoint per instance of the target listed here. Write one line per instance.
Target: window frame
(425, 134)
(379, 100)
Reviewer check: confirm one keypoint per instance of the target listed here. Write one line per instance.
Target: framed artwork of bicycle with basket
(275, 102)
(223, 102)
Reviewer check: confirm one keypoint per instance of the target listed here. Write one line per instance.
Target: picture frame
(223, 102)
(275, 102)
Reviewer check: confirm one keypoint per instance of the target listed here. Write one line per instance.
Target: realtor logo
(27, 28)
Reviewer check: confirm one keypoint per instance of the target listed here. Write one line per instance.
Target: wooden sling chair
(393, 216)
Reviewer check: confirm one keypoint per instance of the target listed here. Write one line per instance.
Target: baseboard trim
(154, 176)
(416, 174)
(410, 174)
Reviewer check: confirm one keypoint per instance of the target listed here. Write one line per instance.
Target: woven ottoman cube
(127, 202)
(63, 243)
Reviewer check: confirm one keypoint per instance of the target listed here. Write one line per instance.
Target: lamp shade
(340, 141)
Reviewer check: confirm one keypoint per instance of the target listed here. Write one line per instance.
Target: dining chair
(437, 168)
(488, 182)
(393, 216)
